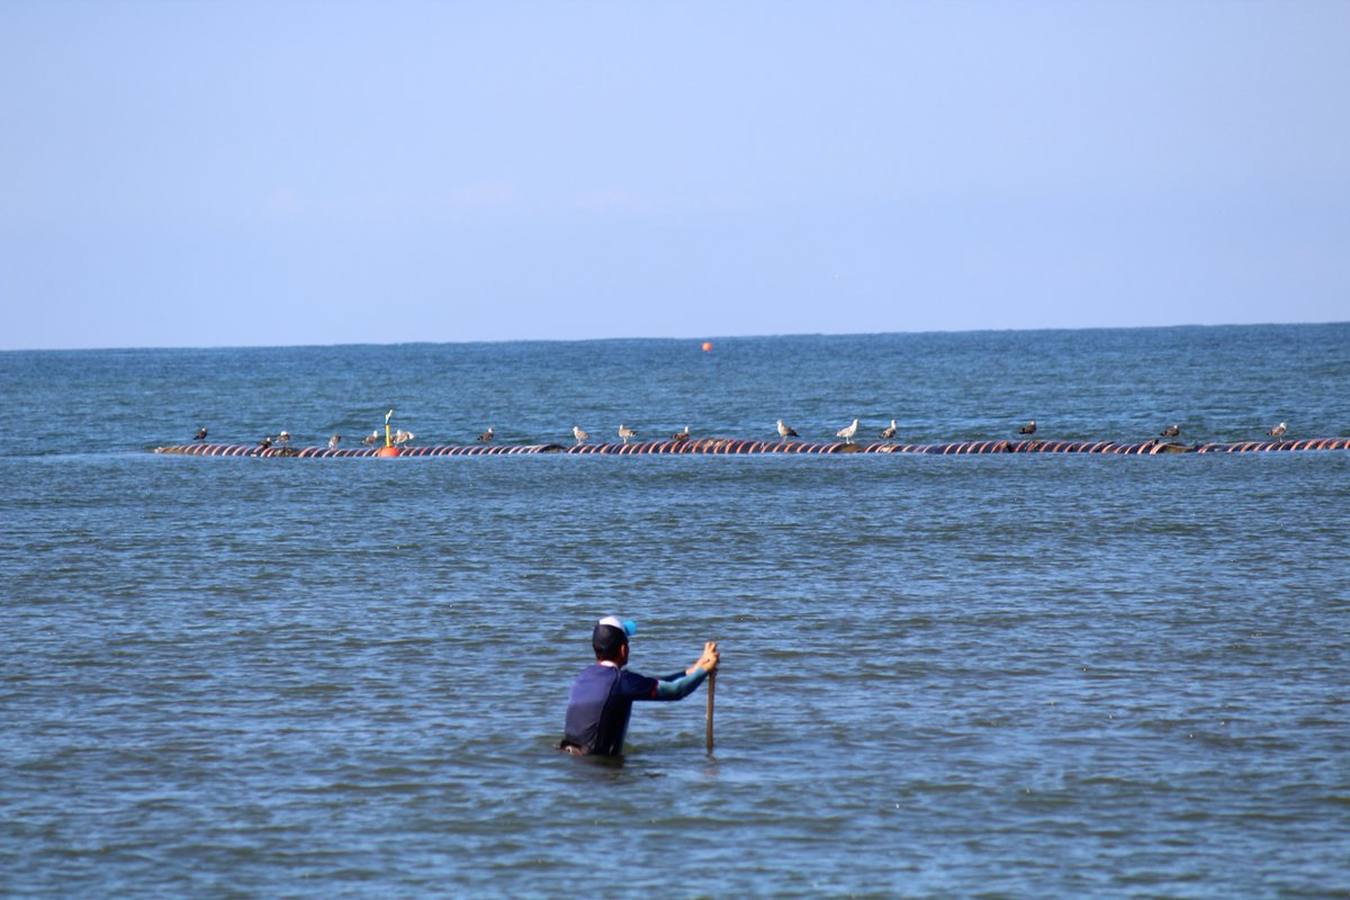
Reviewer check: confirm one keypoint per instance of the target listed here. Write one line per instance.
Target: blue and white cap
(627, 626)
(610, 635)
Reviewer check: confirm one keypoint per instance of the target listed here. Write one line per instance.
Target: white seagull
(402, 437)
(580, 435)
(625, 432)
(371, 439)
(333, 441)
(785, 431)
(889, 431)
(284, 438)
(848, 431)
(1279, 430)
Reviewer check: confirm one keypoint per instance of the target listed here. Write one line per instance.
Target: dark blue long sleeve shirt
(602, 701)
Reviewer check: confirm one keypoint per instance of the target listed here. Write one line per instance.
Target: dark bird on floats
(487, 436)
(786, 431)
(680, 437)
(1171, 431)
(889, 431)
(265, 442)
(200, 435)
(371, 439)
(1029, 428)
(1279, 430)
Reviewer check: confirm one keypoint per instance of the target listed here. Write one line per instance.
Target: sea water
(1025, 675)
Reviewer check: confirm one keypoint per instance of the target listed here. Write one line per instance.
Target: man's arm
(682, 684)
(679, 687)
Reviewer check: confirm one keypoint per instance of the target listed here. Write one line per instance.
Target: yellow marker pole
(712, 689)
(388, 442)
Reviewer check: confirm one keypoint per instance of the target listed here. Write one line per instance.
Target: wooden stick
(712, 689)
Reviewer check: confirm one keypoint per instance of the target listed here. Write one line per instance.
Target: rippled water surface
(1023, 675)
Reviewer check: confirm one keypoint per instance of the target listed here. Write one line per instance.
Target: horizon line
(692, 337)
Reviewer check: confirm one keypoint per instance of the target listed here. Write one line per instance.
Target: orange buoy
(388, 451)
(707, 346)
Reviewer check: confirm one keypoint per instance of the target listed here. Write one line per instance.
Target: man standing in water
(603, 694)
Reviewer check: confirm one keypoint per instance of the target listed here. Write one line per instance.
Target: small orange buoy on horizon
(707, 346)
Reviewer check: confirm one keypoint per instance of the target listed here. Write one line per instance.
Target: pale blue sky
(199, 174)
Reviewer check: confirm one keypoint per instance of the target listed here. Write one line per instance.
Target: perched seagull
(402, 437)
(680, 437)
(1279, 430)
(333, 441)
(371, 439)
(1029, 428)
(785, 431)
(580, 435)
(889, 431)
(1170, 431)
(848, 431)
(625, 432)
(486, 437)
(200, 435)
(265, 442)
(284, 438)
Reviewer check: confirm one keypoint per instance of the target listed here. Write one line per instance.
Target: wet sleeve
(679, 687)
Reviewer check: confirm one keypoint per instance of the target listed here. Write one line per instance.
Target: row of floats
(734, 446)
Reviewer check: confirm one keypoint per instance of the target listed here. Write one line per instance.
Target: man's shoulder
(595, 672)
(627, 678)
(636, 682)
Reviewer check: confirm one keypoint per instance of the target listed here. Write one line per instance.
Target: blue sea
(1004, 675)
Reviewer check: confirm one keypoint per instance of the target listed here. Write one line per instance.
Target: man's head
(609, 639)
